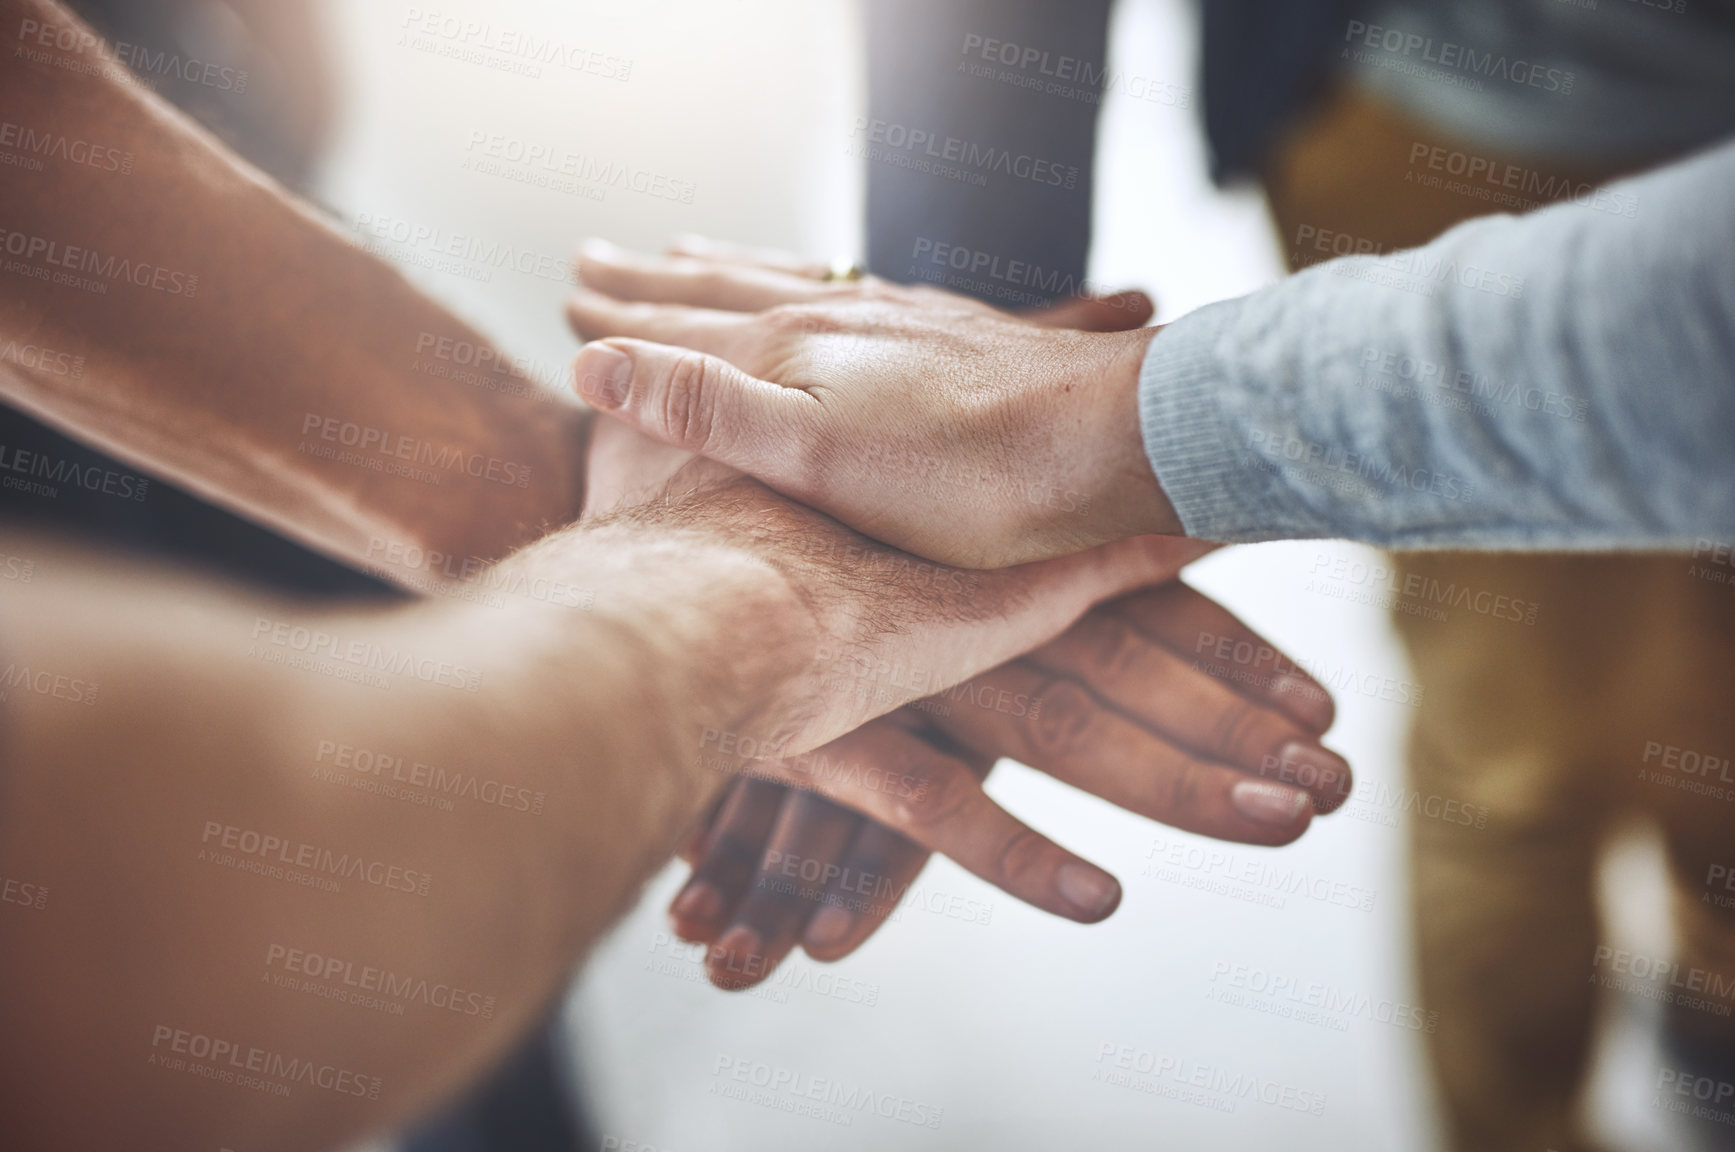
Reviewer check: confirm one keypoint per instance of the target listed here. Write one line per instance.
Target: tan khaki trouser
(1561, 729)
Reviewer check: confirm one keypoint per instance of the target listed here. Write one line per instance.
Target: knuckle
(800, 319)
(943, 796)
(1118, 652)
(1237, 730)
(1021, 859)
(730, 860)
(1067, 720)
(1179, 791)
(689, 401)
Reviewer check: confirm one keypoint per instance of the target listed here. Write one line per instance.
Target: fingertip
(827, 936)
(1091, 894)
(1281, 813)
(1327, 802)
(602, 374)
(737, 961)
(695, 913)
(691, 244)
(596, 248)
(1315, 769)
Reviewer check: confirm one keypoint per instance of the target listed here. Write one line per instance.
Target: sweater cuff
(1205, 468)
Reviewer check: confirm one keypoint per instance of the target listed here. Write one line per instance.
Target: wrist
(704, 637)
(1122, 483)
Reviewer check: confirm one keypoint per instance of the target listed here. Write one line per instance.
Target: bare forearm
(284, 907)
(227, 338)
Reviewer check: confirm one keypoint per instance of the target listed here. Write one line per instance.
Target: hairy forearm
(200, 324)
(284, 908)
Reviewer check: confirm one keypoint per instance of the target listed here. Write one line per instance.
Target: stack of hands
(843, 396)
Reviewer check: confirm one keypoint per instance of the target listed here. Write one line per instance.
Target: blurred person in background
(1568, 729)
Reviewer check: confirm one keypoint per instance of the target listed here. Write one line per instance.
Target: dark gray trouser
(999, 178)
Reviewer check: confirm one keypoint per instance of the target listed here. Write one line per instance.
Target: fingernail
(604, 375)
(698, 904)
(1304, 699)
(1093, 892)
(1264, 803)
(830, 925)
(1319, 770)
(598, 249)
(738, 959)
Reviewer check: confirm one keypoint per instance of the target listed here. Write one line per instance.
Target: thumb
(698, 403)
